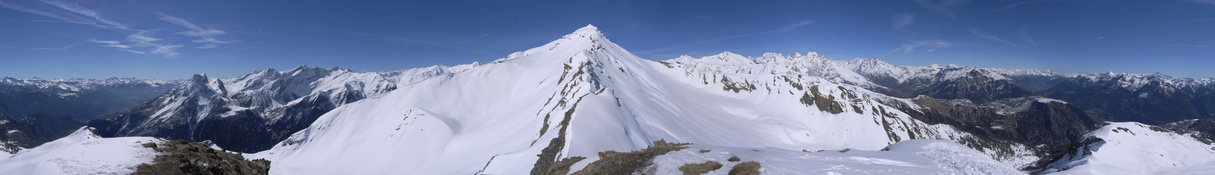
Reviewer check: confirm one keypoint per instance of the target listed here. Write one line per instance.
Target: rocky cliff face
(1151, 99)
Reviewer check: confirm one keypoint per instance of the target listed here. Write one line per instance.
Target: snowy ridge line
(582, 94)
(820, 66)
(78, 84)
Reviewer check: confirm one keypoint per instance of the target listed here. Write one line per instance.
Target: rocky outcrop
(1053, 124)
(184, 157)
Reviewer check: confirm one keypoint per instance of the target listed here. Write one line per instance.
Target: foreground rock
(183, 157)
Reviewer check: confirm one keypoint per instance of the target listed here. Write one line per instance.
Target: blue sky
(175, 39)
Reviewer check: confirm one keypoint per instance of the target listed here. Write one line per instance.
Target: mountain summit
(580, 95)
(576, 104)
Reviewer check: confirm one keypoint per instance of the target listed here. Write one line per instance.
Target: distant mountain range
(35, 111)
(569, 105)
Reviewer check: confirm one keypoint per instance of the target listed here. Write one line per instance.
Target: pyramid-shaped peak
(588, 31)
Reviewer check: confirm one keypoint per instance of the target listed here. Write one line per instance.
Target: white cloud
(901, 21)
(208, 46)
(932, 45)
(195, 30)
(110, 43)
(942, 6)
(75, 8)
(133, 51)
(1017, 4)
(142, 38)
(68, 12)
(987, 36)
(1025, 37)
(102, 41)
(167, 51)
(139, 41)
(205, 35)
(795, 25)
(73, 12)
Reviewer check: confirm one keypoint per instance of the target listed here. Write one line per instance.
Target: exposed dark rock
(1052, 124)
(547, 163)
(1154, 103)
(184, 157)
(699, 168)
(629, 162)
(745, 168)
(1202, 129)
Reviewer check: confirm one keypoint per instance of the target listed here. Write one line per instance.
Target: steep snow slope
(82, 152)
(1134, 148)
(906, 157)
(580, 95)
(251, 113)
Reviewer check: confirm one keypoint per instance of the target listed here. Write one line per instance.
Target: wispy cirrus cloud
(932, 46)
(795, 25)
(110, 43)
(943, 7)
(168, 51)
(901, 21)
(1016, 4)
(1025, 37)
(140, 41)
(42, 48)
(985, 35)
(206, 36)
(65, 11)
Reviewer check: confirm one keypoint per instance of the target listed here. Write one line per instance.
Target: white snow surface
(269, 92)
(81, 152)
(496, 118)
(1135, 148)
(906, 157)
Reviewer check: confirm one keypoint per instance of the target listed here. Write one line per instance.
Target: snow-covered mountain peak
(310, 70)
(587, 39)
(199, 78)
(589, 30)
(729, 57)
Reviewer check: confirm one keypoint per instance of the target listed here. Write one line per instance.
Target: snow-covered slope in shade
(1135, 148)
(906, 157)
(82, 152)
(578, 96)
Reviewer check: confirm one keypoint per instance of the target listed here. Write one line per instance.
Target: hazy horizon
(54, 39)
